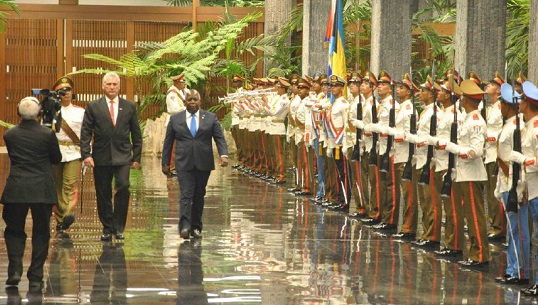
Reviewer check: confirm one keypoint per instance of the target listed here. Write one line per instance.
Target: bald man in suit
(193, 131)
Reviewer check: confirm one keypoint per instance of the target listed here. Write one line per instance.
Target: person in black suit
(32, 149)
(112, 123)
(193, 130)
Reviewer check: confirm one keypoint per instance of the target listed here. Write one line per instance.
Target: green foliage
(192, 54)
(517, 37)
(3, 15)
(238, 3)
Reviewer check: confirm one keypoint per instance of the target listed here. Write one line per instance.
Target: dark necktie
(193, 125)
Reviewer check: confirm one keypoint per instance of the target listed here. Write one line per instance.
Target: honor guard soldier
(319, 86)
(428, 196)
(470, 175)
(336, 123)
(175, 96)
(528, 159)
(518, 254)
(356, 111)
(389, 187)
(277, 130)
(67, 173)
(405, 90)
(175, 102)
(454, 237)
(304, 174)
(290, 132)
(372, 198)
(494, 124)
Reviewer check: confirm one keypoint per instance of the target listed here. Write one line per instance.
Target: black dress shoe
(384, 226)
(106, 237)
(196, 233)
(185, 234)
(424, 243)
(357, 215)
(280, 182)
(120, 236)
(404, 235)
(448, 253)
(512, 280)
(495, 237)
(35, 285)
(469, 263)
(303, 193)
(531, 291)
(370, 221)
(293, 190)
(501, 278)
(13, 280)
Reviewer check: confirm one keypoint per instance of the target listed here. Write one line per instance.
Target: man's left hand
(135, 165)
(223, 161)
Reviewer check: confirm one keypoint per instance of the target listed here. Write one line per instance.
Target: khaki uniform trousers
(66, 177)
(496, 218)
(430, 204)
(472, 194)
(390, 195)
(409, 194)
(454, 233)
(375, 188)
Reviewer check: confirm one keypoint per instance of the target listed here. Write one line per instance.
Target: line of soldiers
(365, 154)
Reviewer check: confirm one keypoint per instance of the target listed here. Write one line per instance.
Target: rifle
(385, 160)
(408, 169)
(512, 204)
(446, 189)
(375, 136)
(357, 149)
(425, 174)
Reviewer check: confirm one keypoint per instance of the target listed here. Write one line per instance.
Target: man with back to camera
(66, 174)
(32, 149)
(113, 123)
(192, 130)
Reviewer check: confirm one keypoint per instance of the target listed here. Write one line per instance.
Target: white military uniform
(73, 116)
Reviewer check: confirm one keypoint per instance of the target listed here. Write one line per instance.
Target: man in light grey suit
(193, 131)
(112, 123)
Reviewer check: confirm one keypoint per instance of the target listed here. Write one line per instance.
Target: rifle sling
(70, 133)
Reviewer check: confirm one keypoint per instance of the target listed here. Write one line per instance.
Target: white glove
(329, 152)
(431, 140)
(376, 128)
(391, 131)
(358, 123)
(412, 138)
(368, 127)
(453, 148)
(517, 157)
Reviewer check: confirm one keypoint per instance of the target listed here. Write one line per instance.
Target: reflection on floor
(261, 245)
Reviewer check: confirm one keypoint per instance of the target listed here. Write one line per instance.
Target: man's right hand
(166, 170)
(89, 162)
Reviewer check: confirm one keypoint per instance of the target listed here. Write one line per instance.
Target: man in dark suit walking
(113, 123)
(193, 130)
(32, 149)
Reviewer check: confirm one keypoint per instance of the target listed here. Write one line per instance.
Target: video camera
(50, 104)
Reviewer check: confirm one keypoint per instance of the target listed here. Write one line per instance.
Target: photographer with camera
(32, 149)
(67, 124)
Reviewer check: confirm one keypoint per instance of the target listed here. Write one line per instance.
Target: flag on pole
(335, 28)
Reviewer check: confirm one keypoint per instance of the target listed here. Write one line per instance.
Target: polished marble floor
(261, 245)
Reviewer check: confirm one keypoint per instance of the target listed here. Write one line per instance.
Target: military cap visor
(471, 89)
(531, 92)
(64, 82)
(509, 95)
(336, 80)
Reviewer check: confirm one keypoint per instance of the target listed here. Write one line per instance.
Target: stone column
(277, 12)
(316, 14)
(533, 43)
(391, 37)
(480, 37)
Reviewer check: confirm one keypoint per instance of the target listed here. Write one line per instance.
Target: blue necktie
(193, 125)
